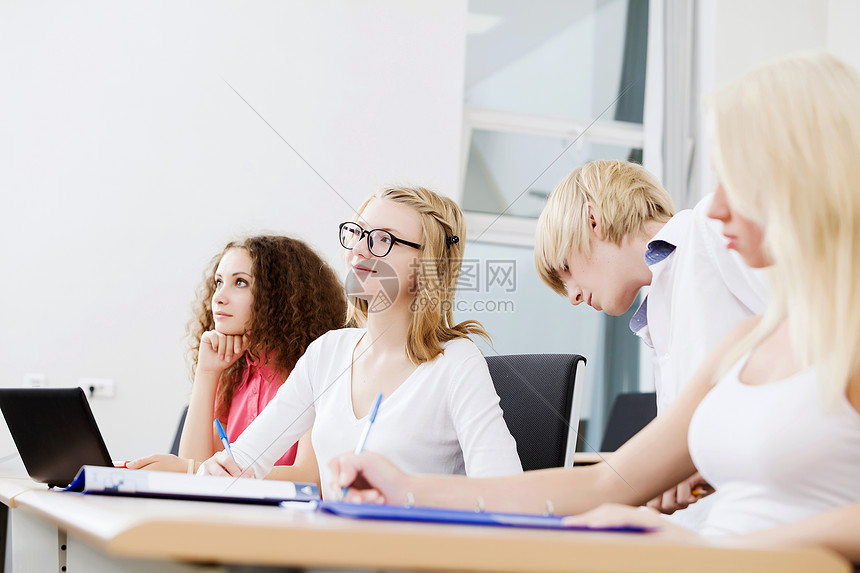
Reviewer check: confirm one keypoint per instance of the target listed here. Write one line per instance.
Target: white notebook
(141, 483)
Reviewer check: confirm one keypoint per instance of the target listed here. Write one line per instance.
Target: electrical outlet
(35, 380)
(98, 387)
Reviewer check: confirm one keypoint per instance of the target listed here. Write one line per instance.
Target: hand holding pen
(362, 441)
(223, 462)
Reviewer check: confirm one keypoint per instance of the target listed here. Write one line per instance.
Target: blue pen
(363, 439)
(223, 435)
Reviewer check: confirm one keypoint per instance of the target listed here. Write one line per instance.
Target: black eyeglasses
(378, 241)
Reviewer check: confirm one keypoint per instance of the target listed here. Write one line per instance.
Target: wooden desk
(181, 531)
(11, 487)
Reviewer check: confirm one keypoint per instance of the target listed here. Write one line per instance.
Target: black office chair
(174, 449)
(540, 399)
(630, 413)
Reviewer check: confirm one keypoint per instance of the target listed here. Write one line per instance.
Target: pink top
(257, 389)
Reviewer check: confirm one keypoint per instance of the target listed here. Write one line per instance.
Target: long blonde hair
(628, 197)
(786, 146)
(441, 258)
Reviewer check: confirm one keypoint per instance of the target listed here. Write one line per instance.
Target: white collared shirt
(698, 293)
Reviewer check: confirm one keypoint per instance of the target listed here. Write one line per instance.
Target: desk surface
(12, 487)
(264, 535)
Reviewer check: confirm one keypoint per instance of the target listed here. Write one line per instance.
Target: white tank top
(773, 453)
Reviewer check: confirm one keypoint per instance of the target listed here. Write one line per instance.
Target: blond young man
(609, 229)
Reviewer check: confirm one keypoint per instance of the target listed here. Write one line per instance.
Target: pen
(366, 432)
(223, 435)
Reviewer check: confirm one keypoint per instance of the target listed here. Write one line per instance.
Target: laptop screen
(55, 432)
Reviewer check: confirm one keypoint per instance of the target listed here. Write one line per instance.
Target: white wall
(842, 37)
(126, 162)
(749, 34)
(738, 35)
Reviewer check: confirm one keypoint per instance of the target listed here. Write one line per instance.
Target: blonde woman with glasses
(772, 417)
(440, 412)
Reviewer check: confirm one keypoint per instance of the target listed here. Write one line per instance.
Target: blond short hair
(441, 259)
(627, 196)
(786, 138)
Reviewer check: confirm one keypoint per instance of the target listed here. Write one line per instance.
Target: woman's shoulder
(744, 327)
(328, 353)
(460, 349)
(339, 336)
(333, 342)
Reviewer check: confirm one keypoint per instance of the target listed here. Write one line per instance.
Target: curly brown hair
(297, 298)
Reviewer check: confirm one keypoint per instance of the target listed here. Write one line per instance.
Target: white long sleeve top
(444, 419)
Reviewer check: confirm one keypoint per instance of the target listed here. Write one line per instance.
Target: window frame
(515, 230)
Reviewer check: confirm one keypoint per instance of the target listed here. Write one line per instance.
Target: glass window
(509, 173)
(545, 57)
(549, 85)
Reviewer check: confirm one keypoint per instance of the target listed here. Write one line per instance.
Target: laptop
(55, 432)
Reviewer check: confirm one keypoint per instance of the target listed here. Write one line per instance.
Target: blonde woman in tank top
(772, 417)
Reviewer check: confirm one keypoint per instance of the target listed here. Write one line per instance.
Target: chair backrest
(630, 413)
(540, 398)
(174, 449)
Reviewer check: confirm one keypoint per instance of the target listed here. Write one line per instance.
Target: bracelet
(190, 466)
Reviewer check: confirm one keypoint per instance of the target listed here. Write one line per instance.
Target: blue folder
(144, 483)
(437, 515)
